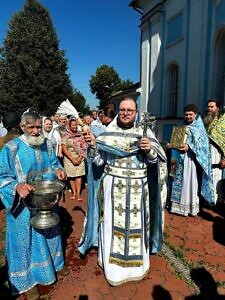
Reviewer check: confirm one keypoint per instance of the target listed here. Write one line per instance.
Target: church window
(173, 88)
(174, 29)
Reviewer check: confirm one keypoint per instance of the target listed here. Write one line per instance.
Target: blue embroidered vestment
(33, 255)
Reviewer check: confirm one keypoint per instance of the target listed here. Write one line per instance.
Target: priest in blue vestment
(33, 256)
(191, 173)
(130, 224)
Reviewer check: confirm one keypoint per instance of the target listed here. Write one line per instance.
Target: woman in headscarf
(52, 135)
(75, 152)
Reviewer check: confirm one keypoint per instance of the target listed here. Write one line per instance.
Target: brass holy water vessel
(41, 201)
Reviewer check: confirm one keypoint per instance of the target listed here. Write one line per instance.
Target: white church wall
(191, 47)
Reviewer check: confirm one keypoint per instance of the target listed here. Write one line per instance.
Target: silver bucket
(47, 194)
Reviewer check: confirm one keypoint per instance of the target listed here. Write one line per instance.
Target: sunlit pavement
(86, 279)
(197, 244)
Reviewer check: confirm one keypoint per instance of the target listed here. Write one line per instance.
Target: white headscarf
(53, 136)
(3, 130)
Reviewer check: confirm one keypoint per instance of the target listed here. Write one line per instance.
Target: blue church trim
(187, 30)
(207, 51)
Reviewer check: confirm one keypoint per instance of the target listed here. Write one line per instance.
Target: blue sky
(93, 33)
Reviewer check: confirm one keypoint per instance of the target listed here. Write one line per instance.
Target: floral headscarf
(79, 144)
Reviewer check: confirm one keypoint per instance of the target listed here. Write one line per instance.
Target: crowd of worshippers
(131, 179)
(66, 135)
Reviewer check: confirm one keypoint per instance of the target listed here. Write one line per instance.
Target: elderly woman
(74, 149)
(52, 135)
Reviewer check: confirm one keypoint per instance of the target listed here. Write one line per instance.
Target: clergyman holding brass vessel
(41, 201)
(30, 253)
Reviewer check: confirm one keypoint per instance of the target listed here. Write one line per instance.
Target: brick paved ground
(198, 242)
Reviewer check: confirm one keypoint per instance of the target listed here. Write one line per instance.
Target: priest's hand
(145, 144)
(184, 147)
(222, 163)
(90, 139)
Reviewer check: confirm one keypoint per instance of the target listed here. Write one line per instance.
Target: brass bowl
(46, 194)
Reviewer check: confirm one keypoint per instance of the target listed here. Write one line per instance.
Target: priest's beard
(35, 140)
(128, 125)
(209, 118)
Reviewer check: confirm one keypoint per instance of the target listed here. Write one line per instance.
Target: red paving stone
(201, 240)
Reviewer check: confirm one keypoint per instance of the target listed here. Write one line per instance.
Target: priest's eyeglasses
(127, 111)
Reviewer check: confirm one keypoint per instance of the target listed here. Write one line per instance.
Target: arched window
(172, 90)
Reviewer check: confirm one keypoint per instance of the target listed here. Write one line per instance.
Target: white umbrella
(66, 108)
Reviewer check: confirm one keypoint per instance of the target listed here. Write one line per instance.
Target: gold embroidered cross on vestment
(120, 209)
(120, 185)
(135, 210)
(136, 186)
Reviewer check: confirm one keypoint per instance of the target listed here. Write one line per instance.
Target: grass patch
(2, 257)
(2, 235)
(2, 250)
(166, 234)
(178, 253)
(221, 284)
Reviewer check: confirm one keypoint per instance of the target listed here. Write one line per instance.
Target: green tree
(33, 71)
(105, 82)
(79, 102)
